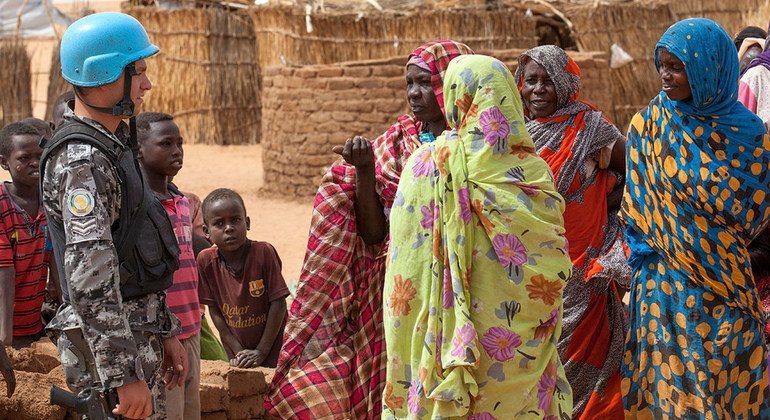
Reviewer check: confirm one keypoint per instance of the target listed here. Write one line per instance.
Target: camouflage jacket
(81, 189)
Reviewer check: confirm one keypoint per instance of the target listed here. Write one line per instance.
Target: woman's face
(673, 76)
(751, 53)
(538, 91)
(419, 93)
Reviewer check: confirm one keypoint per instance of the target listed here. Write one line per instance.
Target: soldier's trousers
(150, 349)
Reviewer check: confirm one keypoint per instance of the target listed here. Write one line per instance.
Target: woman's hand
(357, 151)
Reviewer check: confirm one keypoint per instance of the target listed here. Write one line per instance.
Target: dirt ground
(283, 223)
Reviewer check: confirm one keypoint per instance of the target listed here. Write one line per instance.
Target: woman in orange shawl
(332, 364)
(587, 156)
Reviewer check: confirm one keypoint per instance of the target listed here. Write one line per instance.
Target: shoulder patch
(79, 151)
(80, 202)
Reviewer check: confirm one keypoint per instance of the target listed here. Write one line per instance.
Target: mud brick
(329, 72)
(213, 397)
(363, 71)
(342, 83)
(389, 71)
(396, 83)
(219, 415)
(306, 73)
(370, 83)
(245, 382)
(246, 408)
(345, 116)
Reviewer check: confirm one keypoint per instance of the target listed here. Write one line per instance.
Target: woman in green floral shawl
(478, 261)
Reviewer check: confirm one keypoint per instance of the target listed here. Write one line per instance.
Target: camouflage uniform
(125, 337)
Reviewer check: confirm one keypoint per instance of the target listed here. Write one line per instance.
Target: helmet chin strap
(124, 108)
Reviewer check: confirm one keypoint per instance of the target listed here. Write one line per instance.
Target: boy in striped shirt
(160, 157)
(24, 245)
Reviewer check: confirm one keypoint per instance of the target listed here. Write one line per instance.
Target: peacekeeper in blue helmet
(112, 241)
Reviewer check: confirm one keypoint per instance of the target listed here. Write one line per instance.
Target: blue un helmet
(95, 49)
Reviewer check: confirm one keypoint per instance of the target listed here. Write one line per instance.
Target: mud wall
(308, 110)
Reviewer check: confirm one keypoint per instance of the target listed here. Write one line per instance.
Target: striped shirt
(25, 246)
(182, 296)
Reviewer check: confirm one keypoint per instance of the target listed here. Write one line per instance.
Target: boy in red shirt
(241, 282)
(24, 245)
(160, 157)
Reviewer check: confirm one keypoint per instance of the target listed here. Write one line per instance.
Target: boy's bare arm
(251, 358)
(275, 317)
(53, 278)
(228, 339)
(7, 295)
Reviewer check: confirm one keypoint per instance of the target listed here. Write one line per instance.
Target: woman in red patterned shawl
(332, 364)
(587, 156)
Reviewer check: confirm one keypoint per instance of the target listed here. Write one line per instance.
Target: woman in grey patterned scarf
(586, 153)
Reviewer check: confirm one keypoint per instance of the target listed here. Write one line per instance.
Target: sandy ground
(283, 223)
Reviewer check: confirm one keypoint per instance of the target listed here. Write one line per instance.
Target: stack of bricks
(308, 110)
(229, 393)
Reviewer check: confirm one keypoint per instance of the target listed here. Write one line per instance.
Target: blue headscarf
(711, 64)
(712, 69)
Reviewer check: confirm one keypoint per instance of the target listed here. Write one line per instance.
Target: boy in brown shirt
(241, 282)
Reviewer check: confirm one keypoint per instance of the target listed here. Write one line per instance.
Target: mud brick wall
(308, 110)
(229, 393)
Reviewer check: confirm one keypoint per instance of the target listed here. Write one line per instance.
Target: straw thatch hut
(206, 74)
(16, 81)
(296, 38)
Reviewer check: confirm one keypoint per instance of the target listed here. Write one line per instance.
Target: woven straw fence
(637, 26)
(759, 16)
(282, 33)
(16, 81)
(207, 73)
(56, 83)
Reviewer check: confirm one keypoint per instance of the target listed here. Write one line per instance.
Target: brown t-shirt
(244, 300)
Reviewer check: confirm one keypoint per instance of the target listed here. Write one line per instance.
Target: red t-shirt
(24, 245)
(182, 296)
(244, 300)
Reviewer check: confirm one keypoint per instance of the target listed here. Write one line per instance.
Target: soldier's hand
(135, 401)
(6, 368)
(175, 365)
(357, 151)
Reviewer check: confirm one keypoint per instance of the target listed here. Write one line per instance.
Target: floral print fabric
(477, 264)
(696, 196)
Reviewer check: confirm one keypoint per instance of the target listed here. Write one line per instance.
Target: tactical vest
(148, 253)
